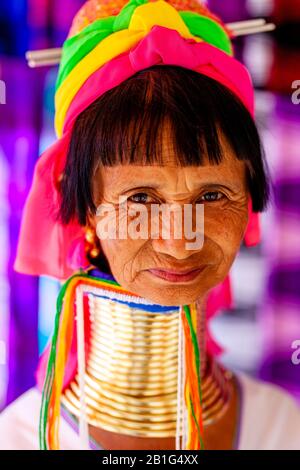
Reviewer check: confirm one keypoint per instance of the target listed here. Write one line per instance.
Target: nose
(175, 241)
(175, 248)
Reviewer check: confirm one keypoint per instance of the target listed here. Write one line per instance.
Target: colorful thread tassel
(60, 348)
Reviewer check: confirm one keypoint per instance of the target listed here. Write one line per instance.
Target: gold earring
(92, 243)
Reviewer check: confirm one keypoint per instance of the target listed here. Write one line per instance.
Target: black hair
(124, 126)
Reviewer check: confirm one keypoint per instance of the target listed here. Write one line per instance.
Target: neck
(132, 368)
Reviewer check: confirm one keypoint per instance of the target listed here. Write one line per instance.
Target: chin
(172, 295)
(171, 300)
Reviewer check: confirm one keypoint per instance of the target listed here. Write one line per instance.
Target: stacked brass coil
(131, 373)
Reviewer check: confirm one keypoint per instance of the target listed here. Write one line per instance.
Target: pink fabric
(44, 243)
(218, 298)
(46, 247)
(252, 235)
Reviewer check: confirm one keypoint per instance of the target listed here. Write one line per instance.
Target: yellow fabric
(158, 13)
(145, 16)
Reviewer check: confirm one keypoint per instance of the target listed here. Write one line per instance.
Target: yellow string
(64, 340)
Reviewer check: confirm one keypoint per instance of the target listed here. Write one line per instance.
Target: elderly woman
(152, 112)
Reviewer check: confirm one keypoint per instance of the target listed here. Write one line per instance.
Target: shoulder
(19, 425)
(19, 422)
(270, 416)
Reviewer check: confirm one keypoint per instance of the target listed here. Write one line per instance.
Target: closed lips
(176, 276)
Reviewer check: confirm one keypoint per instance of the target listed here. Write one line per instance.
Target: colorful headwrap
(108, 43)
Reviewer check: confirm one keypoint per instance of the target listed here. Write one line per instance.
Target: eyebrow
(231, 187)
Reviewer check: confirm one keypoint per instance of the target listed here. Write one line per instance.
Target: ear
(91, 222)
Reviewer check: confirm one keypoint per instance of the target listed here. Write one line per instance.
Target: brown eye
(139, 198)
(211, 196)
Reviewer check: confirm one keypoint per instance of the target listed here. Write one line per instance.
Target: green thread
(194, 339)
(48, 383)
(196, 348)
(197, 424)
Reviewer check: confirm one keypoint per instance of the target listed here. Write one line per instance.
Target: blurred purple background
(258, 333)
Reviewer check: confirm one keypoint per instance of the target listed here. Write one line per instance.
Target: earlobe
(91, 222)
(92, 243)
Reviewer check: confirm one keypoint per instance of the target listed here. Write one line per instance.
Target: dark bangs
(125, 126)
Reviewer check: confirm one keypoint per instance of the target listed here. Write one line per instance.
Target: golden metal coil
(166, 352)
(151, 346)
(138, 327)
(136, 413)
(133, 334)
(131, 374)
(165, 406)
(102, 422)
(141, 362)
(103, 390)
(112, 309)
(143, 340)
(136, 388)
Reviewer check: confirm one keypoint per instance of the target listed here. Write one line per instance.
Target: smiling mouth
(176, 276)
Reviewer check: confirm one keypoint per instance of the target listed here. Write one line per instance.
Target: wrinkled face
(164, 268)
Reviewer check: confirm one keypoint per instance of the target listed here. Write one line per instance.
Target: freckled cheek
(226, 228)
(123, 256)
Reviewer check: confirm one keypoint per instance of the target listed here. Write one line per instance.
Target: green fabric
(78, 46)
(207, 29)
(123, 18)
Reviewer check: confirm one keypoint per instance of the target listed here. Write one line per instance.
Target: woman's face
(146, 266)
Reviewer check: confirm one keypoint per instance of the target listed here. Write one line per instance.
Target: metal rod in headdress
(48, 57)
